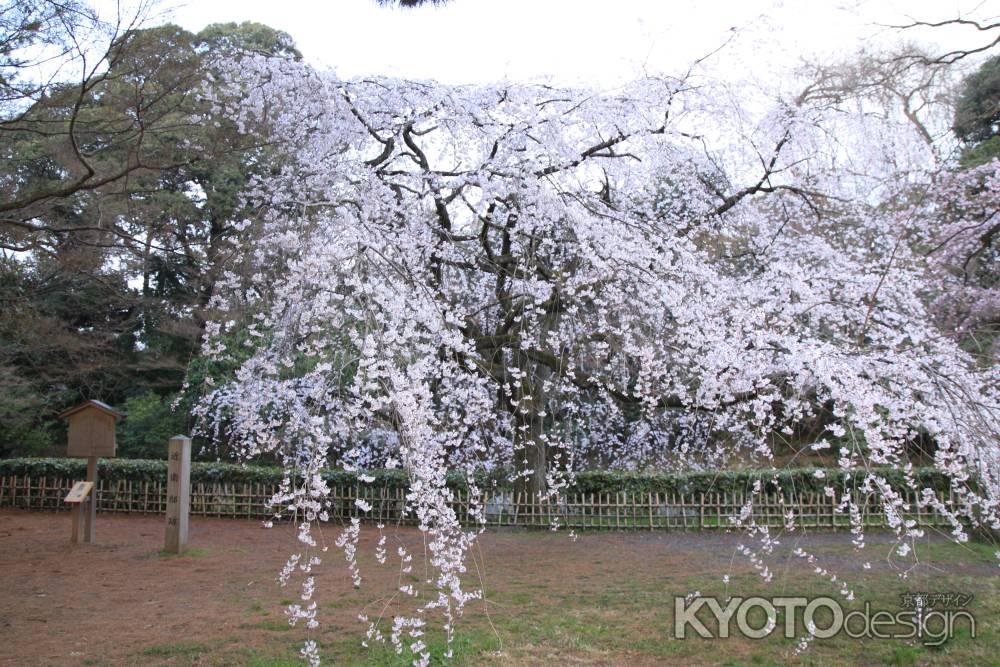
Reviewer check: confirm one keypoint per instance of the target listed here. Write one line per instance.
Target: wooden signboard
(79, 492)
(91, 430)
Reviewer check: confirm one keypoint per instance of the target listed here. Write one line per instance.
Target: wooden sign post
(91, 436)
(178, 493)
(79, 496)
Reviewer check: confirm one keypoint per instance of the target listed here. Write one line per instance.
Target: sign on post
(91, 431)
(91, 435)
(79, 492)
(80, 497)
(178, 493)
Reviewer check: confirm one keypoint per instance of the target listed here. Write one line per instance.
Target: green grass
(176, 649)
(465, 645)
(634, 618)
(274, 626)
(273, 662)
(622, 617)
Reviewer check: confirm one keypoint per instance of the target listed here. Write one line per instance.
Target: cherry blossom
(448, 278)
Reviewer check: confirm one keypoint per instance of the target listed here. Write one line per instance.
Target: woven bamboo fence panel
(589, 511)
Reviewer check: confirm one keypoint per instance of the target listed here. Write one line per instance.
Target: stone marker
(178, 493)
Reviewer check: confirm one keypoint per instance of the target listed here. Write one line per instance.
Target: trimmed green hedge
(802, 480)
(155, 470)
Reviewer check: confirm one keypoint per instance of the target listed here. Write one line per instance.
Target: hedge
(803, 480)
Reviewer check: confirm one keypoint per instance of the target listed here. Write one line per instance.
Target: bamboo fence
(588, 511)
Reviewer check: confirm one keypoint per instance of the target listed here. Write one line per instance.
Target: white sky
(594, 42)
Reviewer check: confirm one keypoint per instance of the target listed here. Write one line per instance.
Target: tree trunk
(530, 455)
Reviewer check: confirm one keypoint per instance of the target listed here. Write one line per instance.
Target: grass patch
(589, 611)
(466, 647)
(274, 626)
(176, 649)
(273, 662)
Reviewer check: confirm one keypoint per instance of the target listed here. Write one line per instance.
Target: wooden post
(650, 500)
(77, 512)
(178, 493)
(90, 512)
(78, 496)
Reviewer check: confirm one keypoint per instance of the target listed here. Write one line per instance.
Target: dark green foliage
(981, 153)
(25, 416)
(117, 315)
(247, 36)
(147, 470)
(977, 114)
(801, 480)
(150, 423)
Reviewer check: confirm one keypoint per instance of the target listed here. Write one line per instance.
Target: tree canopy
(118, 194)
(524, 276)
(977, 114)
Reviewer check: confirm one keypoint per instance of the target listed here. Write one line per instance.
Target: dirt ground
(121, 601)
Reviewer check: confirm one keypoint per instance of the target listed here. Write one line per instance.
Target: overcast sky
(594, 42)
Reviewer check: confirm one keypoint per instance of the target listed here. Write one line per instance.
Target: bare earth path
(605, 598)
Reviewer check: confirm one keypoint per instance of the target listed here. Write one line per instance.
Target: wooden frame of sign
(91, 436)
